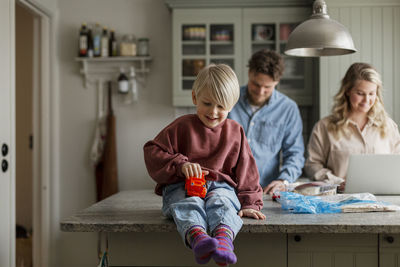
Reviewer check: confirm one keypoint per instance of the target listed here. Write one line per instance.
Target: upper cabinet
(231, 35)
(201, 37)
(270, 28)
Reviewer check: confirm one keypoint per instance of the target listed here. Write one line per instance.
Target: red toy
(196, 187)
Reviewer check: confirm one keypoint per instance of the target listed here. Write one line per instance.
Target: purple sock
(202, 244)
(224, 254)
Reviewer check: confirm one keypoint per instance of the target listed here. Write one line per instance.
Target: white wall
(136, 124)
(375, 28)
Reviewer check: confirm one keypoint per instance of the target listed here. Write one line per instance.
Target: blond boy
(209, 143)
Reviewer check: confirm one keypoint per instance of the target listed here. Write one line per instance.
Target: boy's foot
(202, 244)
(224, 254)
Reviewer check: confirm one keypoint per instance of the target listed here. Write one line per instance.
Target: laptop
(373, 173)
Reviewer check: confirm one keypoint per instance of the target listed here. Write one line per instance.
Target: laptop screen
(373, 173)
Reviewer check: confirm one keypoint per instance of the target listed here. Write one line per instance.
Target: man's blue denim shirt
(275, 127)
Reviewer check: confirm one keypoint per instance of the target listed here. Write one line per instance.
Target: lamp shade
(319, 36)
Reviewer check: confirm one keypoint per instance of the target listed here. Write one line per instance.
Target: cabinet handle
(390, 239)
(297, 238)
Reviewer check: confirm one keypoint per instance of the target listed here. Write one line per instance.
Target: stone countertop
(140, 211)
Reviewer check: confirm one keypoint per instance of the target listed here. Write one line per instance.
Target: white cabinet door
(138, 249)
(201, 37)
(7, 158)
(269, 28)
(389, 250)
(333, 250)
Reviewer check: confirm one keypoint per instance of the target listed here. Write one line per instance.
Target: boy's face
(209, 112)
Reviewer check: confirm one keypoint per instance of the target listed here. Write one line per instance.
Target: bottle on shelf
(83, 41)
(143, 47)
(123, 83)
(128, 45)
(97, 40)
(90, 44)
(133, 85)
(104, 43)
(112, 45)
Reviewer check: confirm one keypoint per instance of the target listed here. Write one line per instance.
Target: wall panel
(375, 29)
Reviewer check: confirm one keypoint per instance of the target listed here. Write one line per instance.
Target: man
(272, 123)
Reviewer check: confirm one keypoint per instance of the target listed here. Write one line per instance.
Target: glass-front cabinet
(231, 36)
(201, 37)
(270, 28)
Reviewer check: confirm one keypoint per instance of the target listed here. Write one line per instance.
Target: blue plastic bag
(297, 203)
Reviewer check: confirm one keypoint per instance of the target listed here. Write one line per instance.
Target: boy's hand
(251, 213)
(192, 170)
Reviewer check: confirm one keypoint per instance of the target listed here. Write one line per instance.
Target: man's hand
(341, 187)
(251, 213)
(192, 170)
(276, 185)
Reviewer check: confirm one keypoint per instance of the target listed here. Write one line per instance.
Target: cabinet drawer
(333, 250)
(389, 250)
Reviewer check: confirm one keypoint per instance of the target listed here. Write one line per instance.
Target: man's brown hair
(267, 62)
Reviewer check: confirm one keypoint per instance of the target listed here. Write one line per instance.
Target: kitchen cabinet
(389, 250)
(344, 250)
(231, 36)
(137, 249)
(269, 28)
(333, 250)
(201, 37)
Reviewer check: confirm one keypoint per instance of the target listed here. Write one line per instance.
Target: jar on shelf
(128, 45)
(143, 47)
(198, 64)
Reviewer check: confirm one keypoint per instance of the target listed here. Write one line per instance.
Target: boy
(207, 143)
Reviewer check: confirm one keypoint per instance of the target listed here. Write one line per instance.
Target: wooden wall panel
(396, 64)
(386, 69)
(375, 29)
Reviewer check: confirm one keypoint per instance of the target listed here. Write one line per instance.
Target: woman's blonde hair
(221, 82)
(341, 109)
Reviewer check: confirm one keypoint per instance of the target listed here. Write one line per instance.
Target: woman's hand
(251, 213)
(192, 170)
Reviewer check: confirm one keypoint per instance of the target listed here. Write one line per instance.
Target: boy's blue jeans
(220, 206)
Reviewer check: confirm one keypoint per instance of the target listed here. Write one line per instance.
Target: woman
(358, 124)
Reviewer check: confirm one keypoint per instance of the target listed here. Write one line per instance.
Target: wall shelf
(97, 70)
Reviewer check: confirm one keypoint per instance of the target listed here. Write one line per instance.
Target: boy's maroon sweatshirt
(222, 150)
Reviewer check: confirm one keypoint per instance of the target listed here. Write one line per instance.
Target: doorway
(24, 87)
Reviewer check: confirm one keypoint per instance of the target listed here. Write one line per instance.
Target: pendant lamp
(319, 36)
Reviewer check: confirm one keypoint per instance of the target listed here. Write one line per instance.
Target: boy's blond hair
(221, 82)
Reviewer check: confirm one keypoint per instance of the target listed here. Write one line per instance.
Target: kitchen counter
(140, 211)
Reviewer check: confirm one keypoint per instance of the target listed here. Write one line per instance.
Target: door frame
(45, 132)
(7, 133)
